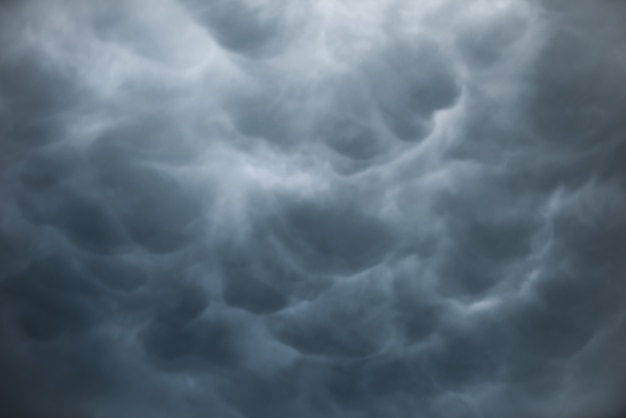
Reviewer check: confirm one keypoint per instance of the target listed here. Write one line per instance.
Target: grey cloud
(415, 79)
(338, 209)
(252, 28)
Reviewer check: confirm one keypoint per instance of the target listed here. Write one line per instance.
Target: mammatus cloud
(338, 208)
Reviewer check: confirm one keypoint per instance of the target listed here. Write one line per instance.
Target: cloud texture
(334, 208)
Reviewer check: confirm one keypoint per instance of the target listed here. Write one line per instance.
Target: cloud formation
(339, 208)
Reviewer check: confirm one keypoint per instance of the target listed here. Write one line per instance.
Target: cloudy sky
(312, 208)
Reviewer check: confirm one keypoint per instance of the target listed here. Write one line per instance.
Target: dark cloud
(312, 209)
(411, 80)
(251, 28)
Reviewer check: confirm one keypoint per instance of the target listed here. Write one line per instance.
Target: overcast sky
(312, 208)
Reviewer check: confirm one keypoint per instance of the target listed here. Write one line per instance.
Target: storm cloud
(290, 208)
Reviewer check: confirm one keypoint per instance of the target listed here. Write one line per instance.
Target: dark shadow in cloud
(353, 138)
(155, 209)
(117, 274)
(178, 342)
(574, 105)
(349, 122)
(90, 225)
(485, 43)
(348, 320)
(269, 112)
(244, 288)
(251, 28)
(333, 236)
(46, 168)
(53, 297)
(489, 229)
(411, 81)
(417, 316)
(36, 98)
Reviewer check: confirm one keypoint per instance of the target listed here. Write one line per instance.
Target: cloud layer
(338, 208)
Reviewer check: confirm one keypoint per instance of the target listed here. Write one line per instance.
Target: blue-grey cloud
(257, 208)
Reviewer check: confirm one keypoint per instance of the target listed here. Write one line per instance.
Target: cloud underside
(308, 209)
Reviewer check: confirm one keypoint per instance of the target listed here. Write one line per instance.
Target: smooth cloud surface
(337, 208)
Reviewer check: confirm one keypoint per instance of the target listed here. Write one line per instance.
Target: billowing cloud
(339, 208)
